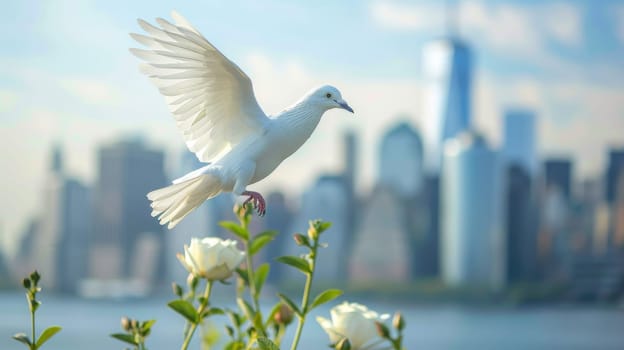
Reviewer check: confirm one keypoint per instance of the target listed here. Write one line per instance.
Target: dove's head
(328, 97)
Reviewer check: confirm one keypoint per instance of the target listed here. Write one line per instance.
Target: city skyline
(472, 202)
(557, 68)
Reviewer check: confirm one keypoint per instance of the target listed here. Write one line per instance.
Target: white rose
(212, 258)
(354, 322)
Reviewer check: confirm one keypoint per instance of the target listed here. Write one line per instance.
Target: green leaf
(257, 322)
(128, 338)
(22, 338)
(212, 311)
(177, 289)
(235, 345)
(147, 325)
(325, 297)
(261, 275)
(290, 303)
(235, 229)
(216, 311)
(47, 334)
(296, 262)
(246, 308)
(260, 241)
(243, 274)
(236, 319)
(321, 226)
(185, 309)
(267, 344)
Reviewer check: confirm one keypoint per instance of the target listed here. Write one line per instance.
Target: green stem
(32, 326)
(200, 310)
(280, 335)
(252, 282)
(306, 297)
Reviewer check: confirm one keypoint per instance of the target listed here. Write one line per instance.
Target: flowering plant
(211, 259)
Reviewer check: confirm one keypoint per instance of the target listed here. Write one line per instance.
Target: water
(87, 323)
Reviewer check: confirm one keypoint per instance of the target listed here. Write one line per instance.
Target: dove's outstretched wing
(210, 97)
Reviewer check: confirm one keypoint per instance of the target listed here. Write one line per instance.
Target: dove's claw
(256, 199)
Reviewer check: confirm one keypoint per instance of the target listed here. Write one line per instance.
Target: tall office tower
(615, 169)
(617, 233)
(401, 161)
(348, 173)
(382, 248)
(327, 199)
(558, 175)
(519, 168)
(60, 248)
(519, 139)
(554, 232)
(473, 244)
(124, 229)
(521, 225)
(278, 218)
(447, 73)
(350, 159)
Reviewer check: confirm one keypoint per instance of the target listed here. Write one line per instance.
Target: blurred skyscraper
(406, 212)
(554, 238)
(126, 239)
(558, 174)
(401, 161)
(519, 139)
(447, 72)
(59, 242)
(615, 169)
(328, 200)
(521, 224)
(278, 218)
(473, 243)
(349, 171)
(519, 156)
(384, 220)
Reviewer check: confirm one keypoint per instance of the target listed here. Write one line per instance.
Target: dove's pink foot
(256, 199)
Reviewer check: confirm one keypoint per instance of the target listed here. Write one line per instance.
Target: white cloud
(511, 28)
(401, 16)
(564, 22)
(503, 27)
(92, 91)
(8, 99)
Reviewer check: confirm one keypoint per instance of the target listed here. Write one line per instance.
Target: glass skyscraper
(447, 73)
(519, 139)
(473, 244)
(400, 161)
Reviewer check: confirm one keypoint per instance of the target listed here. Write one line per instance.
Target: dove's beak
(343, 104)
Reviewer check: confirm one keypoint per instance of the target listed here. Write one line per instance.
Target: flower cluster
(211, 260)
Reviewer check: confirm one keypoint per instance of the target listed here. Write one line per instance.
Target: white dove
(213, 103)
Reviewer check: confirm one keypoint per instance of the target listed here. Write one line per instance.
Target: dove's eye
(328, 95)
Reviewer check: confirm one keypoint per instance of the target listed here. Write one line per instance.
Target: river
(87, 323)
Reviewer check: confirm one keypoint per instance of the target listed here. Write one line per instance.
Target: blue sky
(66, 76)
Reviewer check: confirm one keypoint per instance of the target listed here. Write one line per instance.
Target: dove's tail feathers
(171, 204)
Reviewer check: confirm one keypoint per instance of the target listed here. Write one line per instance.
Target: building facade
(124, 228)
(473, 245)
(447, 73)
